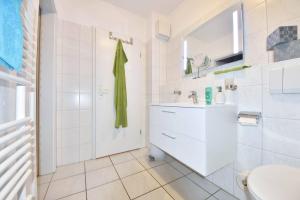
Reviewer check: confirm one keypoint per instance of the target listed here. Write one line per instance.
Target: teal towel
(11, 34)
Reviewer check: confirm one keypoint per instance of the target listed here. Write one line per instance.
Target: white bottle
(220, 97)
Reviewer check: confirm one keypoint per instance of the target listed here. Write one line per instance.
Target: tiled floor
(128, 176)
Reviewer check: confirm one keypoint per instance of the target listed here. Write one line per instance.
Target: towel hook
(130, 41)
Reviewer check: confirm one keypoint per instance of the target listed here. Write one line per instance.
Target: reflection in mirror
(217, 42)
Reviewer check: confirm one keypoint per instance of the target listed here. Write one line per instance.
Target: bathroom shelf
(238, 68)
(205, 70)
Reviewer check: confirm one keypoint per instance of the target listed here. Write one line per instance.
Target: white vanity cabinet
(201, 137)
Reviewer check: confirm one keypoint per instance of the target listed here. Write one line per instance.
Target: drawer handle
(165, 111)
(169, 136)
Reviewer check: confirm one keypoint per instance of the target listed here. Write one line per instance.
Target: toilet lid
(275, 182)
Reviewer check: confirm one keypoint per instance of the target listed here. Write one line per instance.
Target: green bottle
(208, 95)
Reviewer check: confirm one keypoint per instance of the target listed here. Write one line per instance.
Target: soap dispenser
(208, 95)
(220, 97)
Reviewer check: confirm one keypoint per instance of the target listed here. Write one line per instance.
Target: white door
(108, 139)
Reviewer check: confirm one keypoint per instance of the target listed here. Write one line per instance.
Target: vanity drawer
(191, 152)
(165, 117)
(170, 142)
(163, 139)
(191, 123)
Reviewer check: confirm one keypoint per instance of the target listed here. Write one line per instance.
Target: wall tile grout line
(281, 154)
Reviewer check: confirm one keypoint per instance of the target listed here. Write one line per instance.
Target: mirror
(217, 42)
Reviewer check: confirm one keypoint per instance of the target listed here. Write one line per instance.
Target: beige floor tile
(44, 179)
(79, 196)
(212, 198)
(66, 187)
(140, 152)
(222, 195)
(149, 164)
(97, 164)
(42, 190)
(139, 184)
(169, 158)
(129, 168)
(110, 191)
(204, 183)
(159, 194)
(180, 167)
(184, 189)
(165, 174)
(122, 157)
(68, 170)
(101, 176)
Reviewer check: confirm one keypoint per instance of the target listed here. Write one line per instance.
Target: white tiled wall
(74, 92)
(276, 140)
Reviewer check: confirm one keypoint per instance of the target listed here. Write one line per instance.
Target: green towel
(189, 66)
(120, 87)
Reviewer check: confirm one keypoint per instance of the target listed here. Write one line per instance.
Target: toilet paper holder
(246, 118)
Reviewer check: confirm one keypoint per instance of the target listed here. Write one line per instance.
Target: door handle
(169, 136)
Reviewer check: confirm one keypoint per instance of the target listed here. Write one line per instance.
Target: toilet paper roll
(250, 121)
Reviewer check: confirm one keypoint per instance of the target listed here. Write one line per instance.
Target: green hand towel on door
(120, 87)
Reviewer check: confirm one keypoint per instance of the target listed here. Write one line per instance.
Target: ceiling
(145, 7)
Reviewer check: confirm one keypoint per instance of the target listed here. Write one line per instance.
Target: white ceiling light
(235, 32)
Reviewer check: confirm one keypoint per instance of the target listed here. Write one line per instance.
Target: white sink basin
(190, 105)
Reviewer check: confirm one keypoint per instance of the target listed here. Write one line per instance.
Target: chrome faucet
(194, 96)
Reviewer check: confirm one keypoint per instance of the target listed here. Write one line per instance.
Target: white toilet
(274, 182)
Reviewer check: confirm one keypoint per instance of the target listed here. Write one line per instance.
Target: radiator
(18, 137)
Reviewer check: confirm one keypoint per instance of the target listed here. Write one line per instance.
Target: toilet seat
(274, 182)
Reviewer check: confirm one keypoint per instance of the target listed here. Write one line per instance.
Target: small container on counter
(220, 97)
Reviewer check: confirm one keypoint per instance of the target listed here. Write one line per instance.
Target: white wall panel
(47, 95)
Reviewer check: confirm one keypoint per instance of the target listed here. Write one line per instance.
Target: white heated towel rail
(17, 137)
